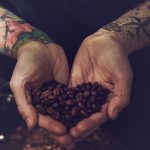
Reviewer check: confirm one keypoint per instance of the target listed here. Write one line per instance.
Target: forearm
(15, 32)
(133, 28)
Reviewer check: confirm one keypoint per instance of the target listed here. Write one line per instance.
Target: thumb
(121, 98)
(24, 104)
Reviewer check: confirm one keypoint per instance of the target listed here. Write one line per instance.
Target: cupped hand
(37, 63)
(104, 59)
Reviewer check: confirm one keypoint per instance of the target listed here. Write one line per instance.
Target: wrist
(35, 49)
(115, 37)
(35, 35)
(31, 47)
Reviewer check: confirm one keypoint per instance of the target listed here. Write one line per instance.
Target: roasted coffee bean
(50, 88)
(104, 92)
(45, 102)
(88, 105)
(55, 105)
(45, 85)
(71, 93)
(79, 96)
(44, 94)
(64, 96)
(63, 89)
(81, 105)
(95, 85)
(98, 99)
(50, 111)
(100, 88)
(86, 93)
(77, 88)
(69, 106)
(101, 100)
(54, 114)
(62, 103)
(40, 109)
(57, 90)
(38, 93)
(75, 111)
(92, 99)
(84, 113)
(93, 106)
(90, 111)
(85, 100)
(52, 97)
(88, 86)
(53, 84)
(70, 102)
(35, 99)
(60, 98)
(93, 93)
(67, 116)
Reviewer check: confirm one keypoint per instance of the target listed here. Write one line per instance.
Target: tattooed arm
(38, 60)
(133, 27)
(15, 32)
(103, 57)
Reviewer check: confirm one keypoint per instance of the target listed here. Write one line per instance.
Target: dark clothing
(68, 22)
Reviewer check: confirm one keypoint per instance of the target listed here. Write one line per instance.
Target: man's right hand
(37, 63)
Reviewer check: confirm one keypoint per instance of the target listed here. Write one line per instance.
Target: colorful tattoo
(15, 32)
(134, 26)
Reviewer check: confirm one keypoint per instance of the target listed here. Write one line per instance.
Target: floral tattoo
(15, 32)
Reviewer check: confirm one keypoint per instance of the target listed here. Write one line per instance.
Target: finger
(121, 97)
(23, 101)
(65, 140)
(90, 123)
(77, 136)
(51, 125)
(74, 132)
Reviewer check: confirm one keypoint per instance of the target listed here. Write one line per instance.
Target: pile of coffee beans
(69, 106)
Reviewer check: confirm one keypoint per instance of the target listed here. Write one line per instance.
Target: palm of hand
(101, 59)
(36, 64)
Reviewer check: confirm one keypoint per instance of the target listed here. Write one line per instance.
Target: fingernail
(115, 113)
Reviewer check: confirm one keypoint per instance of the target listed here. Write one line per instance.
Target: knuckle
(11, 84)
(61, 139)
(59, 130)
(15, 84)
(81, 128)
(65, 140)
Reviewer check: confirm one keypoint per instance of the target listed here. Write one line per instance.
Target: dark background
(68, 23)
